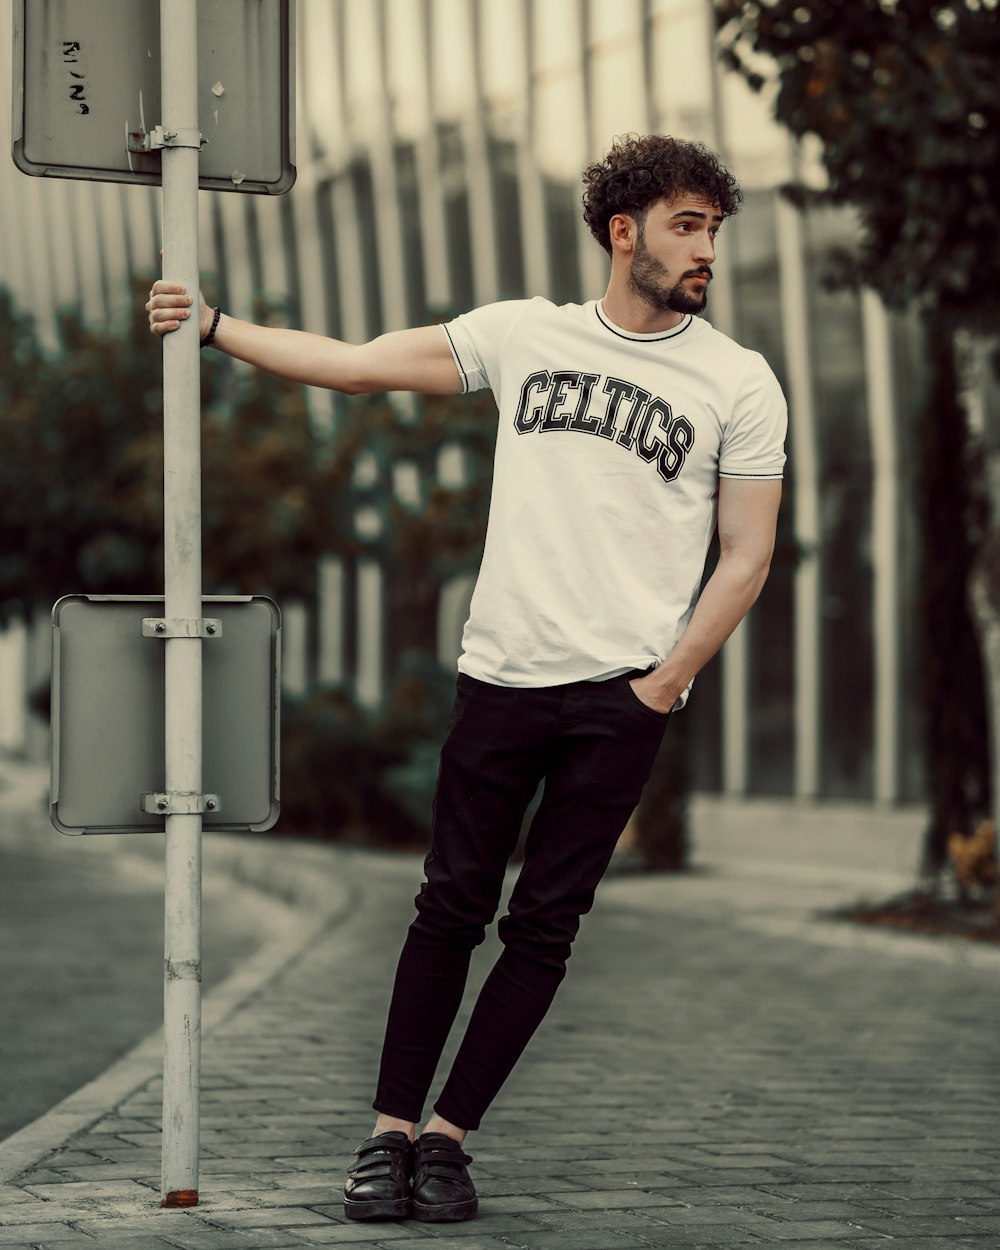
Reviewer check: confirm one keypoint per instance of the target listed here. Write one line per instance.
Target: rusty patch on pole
(181, 1198)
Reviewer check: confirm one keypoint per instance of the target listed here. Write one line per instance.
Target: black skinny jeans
(594, 745)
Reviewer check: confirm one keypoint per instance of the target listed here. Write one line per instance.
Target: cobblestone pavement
(705, 1079)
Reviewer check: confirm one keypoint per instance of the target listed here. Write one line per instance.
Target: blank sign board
(108, 709)
(87, 74)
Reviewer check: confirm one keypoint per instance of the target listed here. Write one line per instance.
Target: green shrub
(365, 777)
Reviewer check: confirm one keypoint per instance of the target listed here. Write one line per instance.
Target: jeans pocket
(463, 691)
(637, 704)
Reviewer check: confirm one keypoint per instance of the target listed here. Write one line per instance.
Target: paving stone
(800, 1230)
(332, 1181)
(815, 1191)
(737, 1161)
(145, 1159)
(597, 1180)
(11, 1196)
(612, 1166)
(36, 1233)
(76, 1191)
(363, 1233)
(41, 1174)
(705, 1176)
(921, 1243)
(883, 1243)
(706, 1235)
(578, 1239)
(611, 1199)
(81, 1158)
(639, 1222)
(924, 1226)
(206, 1238)
(242, 1167)
(39, 1212)
(469, 1242)
(111, 1241)
(270, 1217)
(314, 1196)
(148, 1140)
(984, 1223)
(929, 1206)
(735, 1195)
(25, 1245)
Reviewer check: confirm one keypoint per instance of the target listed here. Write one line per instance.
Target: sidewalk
(720, 1069)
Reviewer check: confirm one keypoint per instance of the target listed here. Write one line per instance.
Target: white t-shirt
(605, 486)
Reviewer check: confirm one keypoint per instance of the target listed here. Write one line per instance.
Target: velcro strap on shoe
(375, 1159)
(441, 1172)
(369, 1169)
(437, 1156)
(381, 1146)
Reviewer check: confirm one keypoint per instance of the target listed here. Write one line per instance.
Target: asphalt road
(81, 959)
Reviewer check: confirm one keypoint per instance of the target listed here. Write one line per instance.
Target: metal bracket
(158, 137)
(180, 804)
(181, 627)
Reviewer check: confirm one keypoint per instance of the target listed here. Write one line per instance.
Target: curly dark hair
(641, 169)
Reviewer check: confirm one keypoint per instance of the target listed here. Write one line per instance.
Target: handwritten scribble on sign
(77, 90)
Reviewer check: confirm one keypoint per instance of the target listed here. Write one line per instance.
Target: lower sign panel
(108, 709)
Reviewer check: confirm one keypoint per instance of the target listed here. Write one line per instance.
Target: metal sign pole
(182, 560)
(85, 72)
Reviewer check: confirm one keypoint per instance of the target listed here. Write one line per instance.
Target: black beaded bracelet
(207, 340)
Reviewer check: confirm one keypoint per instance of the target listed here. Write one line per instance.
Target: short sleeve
(476, 339)
(753, 444)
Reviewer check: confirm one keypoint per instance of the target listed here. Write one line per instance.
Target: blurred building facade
(439, 148)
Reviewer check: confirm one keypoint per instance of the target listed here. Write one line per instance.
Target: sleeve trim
(458, 360)
(772, 474)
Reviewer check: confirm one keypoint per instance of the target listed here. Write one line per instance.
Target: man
(629, 429)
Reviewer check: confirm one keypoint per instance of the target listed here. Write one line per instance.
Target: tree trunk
(984, 590)
(985, 597)
(951, 674)
(660, 820)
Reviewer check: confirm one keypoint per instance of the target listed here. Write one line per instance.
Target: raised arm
(748, 516)
(405, 360)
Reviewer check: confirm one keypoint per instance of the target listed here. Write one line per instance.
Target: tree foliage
(75, 505)
(81, 474)
(904, 97)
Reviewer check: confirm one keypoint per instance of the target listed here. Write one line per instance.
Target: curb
(311, 887)
(76, 1113)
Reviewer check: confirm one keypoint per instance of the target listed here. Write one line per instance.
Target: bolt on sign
(87, 92)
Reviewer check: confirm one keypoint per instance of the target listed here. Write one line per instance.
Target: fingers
(167, 307)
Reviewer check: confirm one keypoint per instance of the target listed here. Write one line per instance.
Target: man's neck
(632, 313)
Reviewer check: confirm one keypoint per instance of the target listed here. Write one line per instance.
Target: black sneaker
(378, 1185)
(442, 1188)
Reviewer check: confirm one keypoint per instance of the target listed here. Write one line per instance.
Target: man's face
(674, 252)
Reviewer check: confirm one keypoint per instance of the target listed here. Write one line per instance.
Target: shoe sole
(387, 1209)
(446, 1212)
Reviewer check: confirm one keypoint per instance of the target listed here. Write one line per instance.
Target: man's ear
(623, 231)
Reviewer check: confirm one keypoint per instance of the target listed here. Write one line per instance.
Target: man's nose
(705, 251)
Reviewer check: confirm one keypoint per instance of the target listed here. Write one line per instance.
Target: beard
(646, 280)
